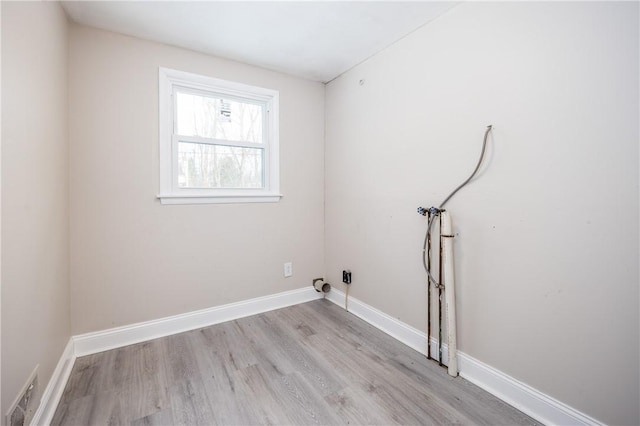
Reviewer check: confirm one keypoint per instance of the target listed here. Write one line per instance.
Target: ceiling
(317, 40)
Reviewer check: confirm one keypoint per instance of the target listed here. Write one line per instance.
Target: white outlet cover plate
(288, 269)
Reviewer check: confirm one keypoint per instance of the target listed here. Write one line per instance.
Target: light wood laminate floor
(312, 363)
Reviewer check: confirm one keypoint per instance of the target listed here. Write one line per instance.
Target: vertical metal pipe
(429, 291)
(440, 294)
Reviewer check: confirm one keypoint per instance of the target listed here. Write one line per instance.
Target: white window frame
(170, 192)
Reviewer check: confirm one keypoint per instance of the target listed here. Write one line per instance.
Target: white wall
(135, 259)
(35, 195)
(547, 236)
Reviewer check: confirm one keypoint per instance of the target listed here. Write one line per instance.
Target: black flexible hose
(462, 185)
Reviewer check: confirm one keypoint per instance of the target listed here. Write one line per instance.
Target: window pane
(219, 166)
(211, 117)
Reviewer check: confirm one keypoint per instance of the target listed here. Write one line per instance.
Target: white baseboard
(90, 343)
(530, 401)
(53, 392)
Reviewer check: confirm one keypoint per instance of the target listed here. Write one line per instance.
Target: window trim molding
(169, 193)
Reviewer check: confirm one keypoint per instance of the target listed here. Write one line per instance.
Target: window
(218, 140)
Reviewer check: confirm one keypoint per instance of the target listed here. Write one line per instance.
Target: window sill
(219, 199)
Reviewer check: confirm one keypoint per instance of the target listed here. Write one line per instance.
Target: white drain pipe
(448, 280)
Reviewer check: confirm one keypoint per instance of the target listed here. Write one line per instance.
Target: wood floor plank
(179, 358)
(257, 385)
(304, 362)
(217, 374)
(304, 404)
(464, 396)
(359, 332)
(353, 406)
(102, 408)
(230, 342)
(162, 417)
(406, 404)
(189, 403)
(90, 375)
(312, 363)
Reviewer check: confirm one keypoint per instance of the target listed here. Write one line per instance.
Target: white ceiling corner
(317, 40)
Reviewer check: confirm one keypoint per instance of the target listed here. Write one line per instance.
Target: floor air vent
(23, 408)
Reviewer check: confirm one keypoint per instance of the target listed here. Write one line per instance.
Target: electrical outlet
(288, 269)
(346, 276)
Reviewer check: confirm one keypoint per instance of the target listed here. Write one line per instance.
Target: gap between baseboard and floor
(521, 396)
